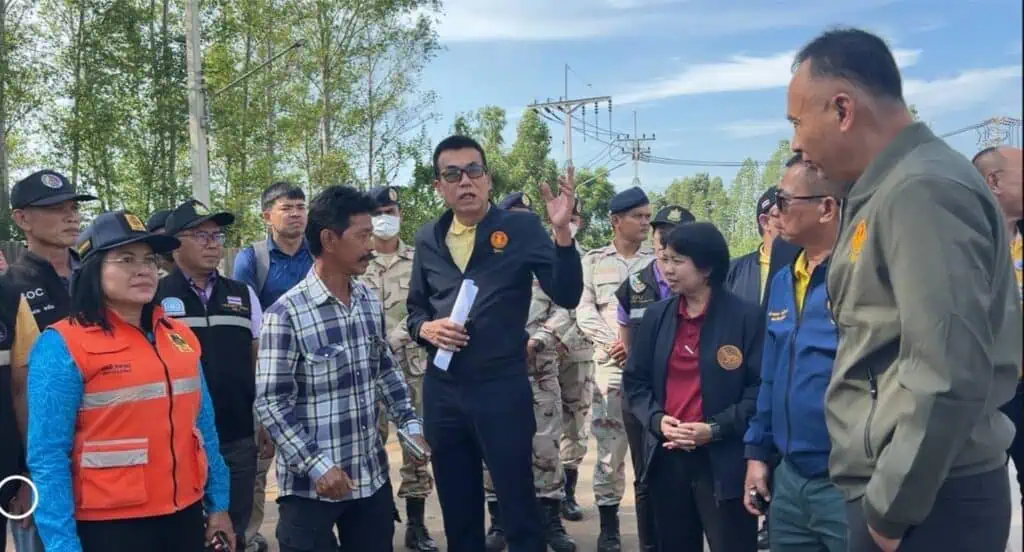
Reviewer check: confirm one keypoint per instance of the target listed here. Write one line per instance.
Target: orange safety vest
(137, 451)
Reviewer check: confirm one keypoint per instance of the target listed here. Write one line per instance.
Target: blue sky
(708, 78)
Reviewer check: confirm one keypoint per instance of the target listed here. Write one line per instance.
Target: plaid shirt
(323, 367)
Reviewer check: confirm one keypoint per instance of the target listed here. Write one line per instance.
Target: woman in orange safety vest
(121, 437)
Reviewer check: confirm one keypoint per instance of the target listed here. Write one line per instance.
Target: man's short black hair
(333, 209)
(977, 156)
(705, 245)
(456, 142)
(857, 56)
(279, 190)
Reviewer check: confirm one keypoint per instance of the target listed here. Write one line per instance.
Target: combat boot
(416, 536)
(609, 540)
(569, 508)
(495, 540)
(554, 531)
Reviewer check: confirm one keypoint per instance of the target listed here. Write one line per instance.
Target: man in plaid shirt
(324, 363)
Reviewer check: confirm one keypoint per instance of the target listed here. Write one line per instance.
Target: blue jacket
(799, 350)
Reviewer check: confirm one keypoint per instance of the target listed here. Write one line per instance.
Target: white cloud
(542, 20)
(970, 88)
(739, 73)
(754, 128)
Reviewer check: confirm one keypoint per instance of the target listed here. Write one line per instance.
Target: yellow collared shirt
(764, 260)
(460, 240)
(801, 280)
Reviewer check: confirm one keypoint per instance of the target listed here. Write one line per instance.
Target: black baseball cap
(116, 228)
(515, 200)
(45, 188)
(157, 220)
(384, 196)
(672, 215)
(192, 213)
(767, 201)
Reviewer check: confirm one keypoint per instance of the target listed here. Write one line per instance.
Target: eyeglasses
(132, 262)
(783, 201)
(204, 238)
(453, 174)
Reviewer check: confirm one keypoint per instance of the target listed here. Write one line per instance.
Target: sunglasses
(453, 174)
(783, 201)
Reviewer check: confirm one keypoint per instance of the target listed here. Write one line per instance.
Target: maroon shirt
(682, 381)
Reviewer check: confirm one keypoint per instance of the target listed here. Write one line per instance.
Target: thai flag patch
(234, 301)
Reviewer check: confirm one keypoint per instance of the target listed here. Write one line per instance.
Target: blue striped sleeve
(218, 481)
(55, 391)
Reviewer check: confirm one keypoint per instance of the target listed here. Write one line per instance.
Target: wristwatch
(716, 431)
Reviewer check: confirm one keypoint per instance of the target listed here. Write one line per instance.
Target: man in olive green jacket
(921, 287)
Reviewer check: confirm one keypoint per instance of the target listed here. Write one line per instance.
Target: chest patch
(636, 284)
(778, 316)
(729, 357)
(173, 306)
(179, 343)
(860, 232)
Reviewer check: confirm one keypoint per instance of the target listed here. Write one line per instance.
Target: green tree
(420, 202)
(594, 190)
(22, 74)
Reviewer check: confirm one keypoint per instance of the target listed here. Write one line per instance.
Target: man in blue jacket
(807, 511)
(480, 408)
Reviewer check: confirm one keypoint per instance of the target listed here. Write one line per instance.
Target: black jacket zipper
(873, 388)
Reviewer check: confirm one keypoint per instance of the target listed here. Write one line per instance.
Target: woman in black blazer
(692, 379)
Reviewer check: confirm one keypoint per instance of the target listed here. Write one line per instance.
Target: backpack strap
(262, 254)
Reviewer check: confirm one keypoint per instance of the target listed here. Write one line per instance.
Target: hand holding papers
(460, 312)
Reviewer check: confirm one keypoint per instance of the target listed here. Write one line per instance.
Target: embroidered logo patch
(179, 343)
(777, 316)
(637, 285)
(134, 223)
(173, 306)
(526, 200)
(392, 194)
(860, 232)
(499, 239)
(675, 215)
(51, 181)
(729, 357)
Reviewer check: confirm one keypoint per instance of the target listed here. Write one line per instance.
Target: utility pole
(567, 107)
(999, 130)
(636, 149)
(196, 104)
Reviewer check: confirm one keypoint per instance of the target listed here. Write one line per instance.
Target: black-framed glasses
(783, 201)
(453, 174)
(206, 238)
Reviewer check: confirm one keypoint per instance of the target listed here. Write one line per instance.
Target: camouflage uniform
(604, 270)
(548, 477)
(388, 276)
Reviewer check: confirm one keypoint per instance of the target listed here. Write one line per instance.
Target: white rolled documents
(460, 312)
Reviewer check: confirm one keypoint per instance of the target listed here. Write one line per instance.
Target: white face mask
(386, 227)
(573, 228)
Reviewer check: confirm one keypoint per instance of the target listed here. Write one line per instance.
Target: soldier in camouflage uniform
(542, 366)
(388, 276)
(604, 270)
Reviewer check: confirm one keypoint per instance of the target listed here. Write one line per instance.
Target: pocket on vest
(202, 464)
(112, 474)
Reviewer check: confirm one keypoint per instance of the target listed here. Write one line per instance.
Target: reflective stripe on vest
(105, 399)
(137, 452)
(5, 358)
(216, 320)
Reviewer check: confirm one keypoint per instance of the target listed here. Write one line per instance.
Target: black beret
(627, 199)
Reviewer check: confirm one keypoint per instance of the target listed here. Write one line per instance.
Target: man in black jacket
(480, 407)
(749, 275)
(45, 206)
(225, 315)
